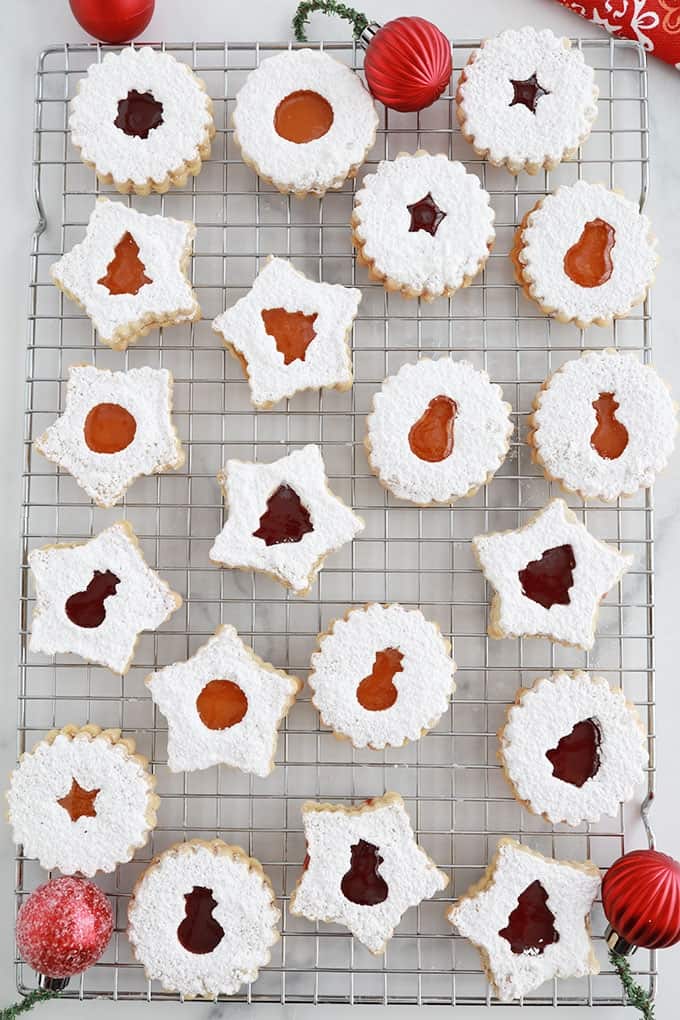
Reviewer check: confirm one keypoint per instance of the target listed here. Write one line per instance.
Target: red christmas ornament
(641, 899)
(113, 21)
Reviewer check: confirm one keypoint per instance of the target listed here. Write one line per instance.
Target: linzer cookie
(130, 273)
(549, 577)
(115, 427)
(291, 333)
(585, 254)
(422, 225)
(529, 918)
(82, 800)
(603, 425)
(363, 868)
(283, 518)
(573, 748)
(224, 705)
(94, 599)
(202, 919)
(142, 120)
(526, 100)
(438, 431)
(304, 122)
(382, 676)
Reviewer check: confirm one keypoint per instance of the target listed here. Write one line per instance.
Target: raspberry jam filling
(362, 884)
(531, 927)
(425, 215)
(286, 519)
(87, 608)
(199, 932)
(548, 579)
(576, 759)
(139, 113)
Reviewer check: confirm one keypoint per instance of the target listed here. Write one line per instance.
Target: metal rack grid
(450, 780)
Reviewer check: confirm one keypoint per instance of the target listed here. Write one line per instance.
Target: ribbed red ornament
(408, 64)
(113, 21)
(641, 899)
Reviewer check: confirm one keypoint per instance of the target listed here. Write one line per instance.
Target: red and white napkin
(655, 24)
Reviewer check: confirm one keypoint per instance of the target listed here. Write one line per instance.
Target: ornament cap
(367, 35)
(617, 943)
(52, 984)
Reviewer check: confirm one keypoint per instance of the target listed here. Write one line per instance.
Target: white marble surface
(29, 25)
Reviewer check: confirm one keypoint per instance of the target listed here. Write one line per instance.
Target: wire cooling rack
(454, 791)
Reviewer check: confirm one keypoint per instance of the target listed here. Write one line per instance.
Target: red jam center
(362, 884)
(576, 759)
(293, 332)
(86, 608)
(527, 92)
(376, 692)
(610, 438)
(109, 428)
(548, 580)
(431, 438)
(303, 116)
(79, 802)
(138, 114)
(221, 704)
(125, 272)
(425, 215)
(286, 519)
(588, 263)
(199, 932)
(531, 925)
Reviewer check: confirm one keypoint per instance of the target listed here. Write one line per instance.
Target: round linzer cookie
(439, 429)
(202, 919)
(82, 800)
(549, 577)
(291, 333)
(224, 705)
(304, 122)
(585, 254)
(572, 748)
(422, 225)
(363, 868)
(526, 100)
(383, 675)
(529, 918)
(115, 427)
(129, 273)
(95, 598)
(603, 425)
(142, 120)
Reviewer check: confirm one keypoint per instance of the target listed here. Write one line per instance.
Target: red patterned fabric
(655, 24)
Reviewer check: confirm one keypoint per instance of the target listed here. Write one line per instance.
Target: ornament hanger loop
(358, 20)
(644, 811)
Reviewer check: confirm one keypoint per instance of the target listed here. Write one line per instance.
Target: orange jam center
(431, 438)
(531, 925)
(293, 332)
(109, 428)
(79, 802)
(376, 692)
(221, 704)
(589, 262)
(125, 272)
(303, 116)
(610, 437)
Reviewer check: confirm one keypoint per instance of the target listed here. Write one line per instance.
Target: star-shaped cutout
(425, 215)
(129, 273)
(528, 918)
(258, 534)
(113, 615)
(549, 577)
(363, 868)
(224, 705)
(115, 427)
(527, 92)
(79, 802)
(291, 333)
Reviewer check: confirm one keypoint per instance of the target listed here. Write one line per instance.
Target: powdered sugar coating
(125, 804)
(484, 911)
(502, 555)
(549, 711)
(482, 428)
(250, 744)
(416, 261)
(327, 360)
(514, 135)
(555, 226)
(248, 486)
(146, 393)
(564, 422)
(182, 138)
(164, 248)
(246, 912)
(142, 600)
(325, 162)
(347, 655)
(330, 831)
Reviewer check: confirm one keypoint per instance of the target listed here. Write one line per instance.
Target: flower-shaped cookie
(224, 705)
(115, 427)
(291, 333)
(363, 868)
(82, 800)
(202, 919)
(94, 599)
(130, 273)
(549, 577)
(283, 518)
(528, 917)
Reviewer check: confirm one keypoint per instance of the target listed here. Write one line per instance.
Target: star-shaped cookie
(94, 599)
(115, 427)
(224, 705)
(549, 577)
(363, 868)
(528, 917)
(283, 518)
(129, 273)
